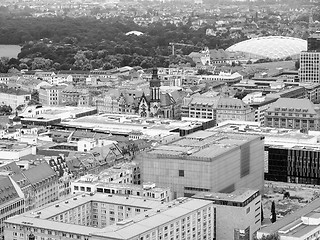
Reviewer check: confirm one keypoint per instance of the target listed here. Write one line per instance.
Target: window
(248, 210)
(181, 173)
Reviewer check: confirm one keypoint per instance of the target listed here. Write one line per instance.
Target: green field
(10, 51)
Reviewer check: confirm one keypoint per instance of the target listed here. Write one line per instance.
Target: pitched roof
(38, 173)
(7, 190)
(294, 103)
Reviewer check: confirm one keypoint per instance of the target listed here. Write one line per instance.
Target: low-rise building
(302, 224)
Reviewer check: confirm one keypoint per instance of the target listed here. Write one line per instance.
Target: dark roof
(7, 190)
(11, 167)
(38, 173)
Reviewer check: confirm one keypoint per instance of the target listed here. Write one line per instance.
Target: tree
(262, 217)
(297, 64)
(273, 212)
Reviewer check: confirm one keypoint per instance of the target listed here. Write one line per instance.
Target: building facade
(238, 214)
(11, 200)
(104, 218)
(293, 113)
(309, 67)
(205, 161)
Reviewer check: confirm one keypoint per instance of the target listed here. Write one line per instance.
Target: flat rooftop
(276, 137)
(65, 112)
(152, 219)
(62, 206)
(240, 195)
(126, 229)
(129, 123)
(203, 145)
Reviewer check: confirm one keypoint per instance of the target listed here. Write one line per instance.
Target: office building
(309, 67)
(293, 114)
(238, 213)
(289, 155)
(205, 161)
(217, 108)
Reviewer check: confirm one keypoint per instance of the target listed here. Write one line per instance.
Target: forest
(87, 43)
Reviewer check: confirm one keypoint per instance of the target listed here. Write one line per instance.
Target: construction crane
(180, 44)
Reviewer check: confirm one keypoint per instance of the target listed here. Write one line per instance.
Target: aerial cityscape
(160, 119)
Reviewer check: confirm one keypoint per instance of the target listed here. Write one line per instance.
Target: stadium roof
(273, 47)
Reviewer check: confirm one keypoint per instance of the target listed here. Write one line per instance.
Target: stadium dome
(273, 47)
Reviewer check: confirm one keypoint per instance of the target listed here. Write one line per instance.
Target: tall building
(314, 42)
(238, 213)
(51, 95)
(205, 161)
(310, 60)
(309, 67)
(294, 114)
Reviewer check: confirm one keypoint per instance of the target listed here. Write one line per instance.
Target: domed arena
(272, 47)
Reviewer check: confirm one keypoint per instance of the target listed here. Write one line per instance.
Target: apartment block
(118, 218)
(205, 161)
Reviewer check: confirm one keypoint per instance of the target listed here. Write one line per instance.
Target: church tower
(155, 86)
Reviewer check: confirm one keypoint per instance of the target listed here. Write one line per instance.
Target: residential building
(302, 224)
(14, 97)
(294, 114)
(51, 95)
(11, 200)
(117, 218)
(205, 161)
(238, 213)
(44, 181)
